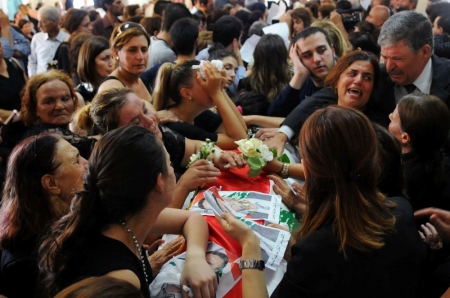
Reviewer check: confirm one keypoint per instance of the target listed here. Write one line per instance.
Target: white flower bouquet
(207, 151)
(257, 155)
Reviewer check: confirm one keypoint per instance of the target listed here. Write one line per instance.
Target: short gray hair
(49, 12)
(411, 27)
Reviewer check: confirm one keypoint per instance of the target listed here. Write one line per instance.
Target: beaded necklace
(138, 247)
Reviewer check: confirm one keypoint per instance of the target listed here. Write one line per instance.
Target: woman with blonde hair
(183, 91)
(119, 107)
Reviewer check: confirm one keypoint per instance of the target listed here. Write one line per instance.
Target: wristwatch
(252, 264)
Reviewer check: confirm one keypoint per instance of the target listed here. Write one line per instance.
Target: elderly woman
(119, 107)
(43, 171)
(108, 222)
(351, 234)
(48, 103)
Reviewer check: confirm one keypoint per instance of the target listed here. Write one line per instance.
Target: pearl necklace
(138, 247)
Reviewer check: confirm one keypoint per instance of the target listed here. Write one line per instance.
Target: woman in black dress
(119, 207)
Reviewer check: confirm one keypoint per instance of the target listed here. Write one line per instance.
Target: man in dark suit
(406, 41)
(409, 63)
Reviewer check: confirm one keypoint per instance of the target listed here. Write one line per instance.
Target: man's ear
(50, 184)
(425, 51)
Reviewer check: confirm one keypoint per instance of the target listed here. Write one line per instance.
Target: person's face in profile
(214, 261)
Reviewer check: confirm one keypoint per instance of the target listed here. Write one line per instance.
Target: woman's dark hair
(343, 63)
(171, 78)
(313, 7)
(364, 41)
(101, 287)
(426, 119)
(76, 41)
(73, 18)
(130, 11)
(326, 9)
(365, 27)
(252, 103)
(86, 68)
(300, 14)
(244, 16)
(340, 154)
(136, 19)
(270, 72)
(22, 23)
(151, 25)
(103, 113)
(391, 182)
(28, 112)
(218, 52)
(93, 15)
(112, 192)
(26, 208)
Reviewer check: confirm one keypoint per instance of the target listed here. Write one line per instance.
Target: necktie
(410, 88)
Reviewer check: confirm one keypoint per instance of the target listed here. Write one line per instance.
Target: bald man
(378, 15)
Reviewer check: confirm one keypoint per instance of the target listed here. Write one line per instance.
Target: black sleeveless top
(100, 256)
(112, 78)
(11, 87)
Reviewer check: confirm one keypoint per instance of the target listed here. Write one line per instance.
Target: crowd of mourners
(102, 107)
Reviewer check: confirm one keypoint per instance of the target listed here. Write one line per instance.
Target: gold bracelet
(284, 173)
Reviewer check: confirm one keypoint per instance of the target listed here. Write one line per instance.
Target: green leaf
(255, 162)
(274, 152)
(254, 173)
(284, 158)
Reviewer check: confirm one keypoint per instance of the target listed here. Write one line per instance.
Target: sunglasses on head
(126, 26)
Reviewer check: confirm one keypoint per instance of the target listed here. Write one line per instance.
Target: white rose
(194, 158)
(266, 154)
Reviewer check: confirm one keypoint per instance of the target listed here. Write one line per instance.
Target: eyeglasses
(124, 27)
